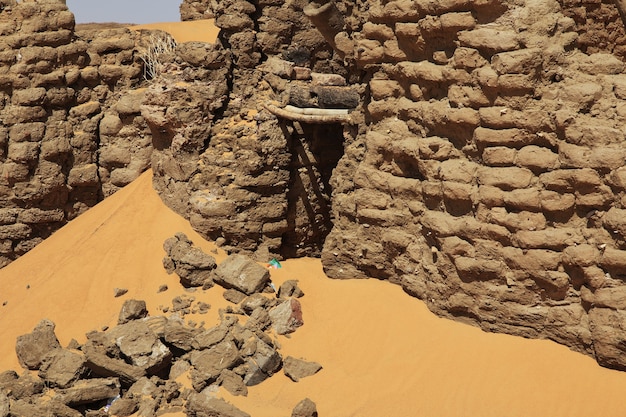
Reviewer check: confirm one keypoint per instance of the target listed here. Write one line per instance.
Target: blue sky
(125, 11)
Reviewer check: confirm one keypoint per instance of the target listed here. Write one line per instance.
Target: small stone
(296, 369)
(305, 408)
(132, 310)
(118, 292)
(162, 288)
(234, 296)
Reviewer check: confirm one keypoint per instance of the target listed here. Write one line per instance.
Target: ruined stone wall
(489, 181)
(63, 145)
(254, 182)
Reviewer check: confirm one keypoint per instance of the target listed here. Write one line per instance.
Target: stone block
(29, 96)
(85, 110)
(296, 369)
(83, 176)
(551, 238)
(618, 178)
(569, 180)
(515, 138)
(382, 89)
(369, 51)
(27, 132)
(206, 404)
(457, 192)
(379, 32)
(287, 316)
(553, 202)
(458, 170)
(470, 269)
(498, 117)
(581, 255)
(523, 220)
(32, 348)
(17, 231)
(37, 216)
(89, 391)
(507, 178)
(455, 22)
(531, 259)
(537, 158)
(241, 273)
(490, 40)
(467, 96)
(524, 61)
(23, 152)
(62, 367)
(499, 156)
(419, 72)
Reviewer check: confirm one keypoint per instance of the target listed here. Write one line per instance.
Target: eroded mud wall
(255, 182)
(64, 142)
(490, 179)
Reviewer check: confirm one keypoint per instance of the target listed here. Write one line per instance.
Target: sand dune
(196, 30)
(383, 352)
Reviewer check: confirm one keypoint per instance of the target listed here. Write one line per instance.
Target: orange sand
(195, 30)
(383, 352)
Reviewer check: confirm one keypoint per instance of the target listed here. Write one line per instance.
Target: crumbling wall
(255, 182)
(489, 180)
(57, 120)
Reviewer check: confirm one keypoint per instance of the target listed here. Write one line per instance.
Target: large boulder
(242, 273)
(33, 347)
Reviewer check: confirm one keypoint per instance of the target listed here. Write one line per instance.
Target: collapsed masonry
(138, 366)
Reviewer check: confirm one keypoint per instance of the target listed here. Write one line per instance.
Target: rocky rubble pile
(152, 365)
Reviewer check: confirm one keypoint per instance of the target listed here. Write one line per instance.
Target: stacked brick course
(55, 90)
(489, 179)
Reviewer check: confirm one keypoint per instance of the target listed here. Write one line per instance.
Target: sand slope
(195, 30)
(383, 352)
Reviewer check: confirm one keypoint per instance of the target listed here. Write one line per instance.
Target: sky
(125, 11)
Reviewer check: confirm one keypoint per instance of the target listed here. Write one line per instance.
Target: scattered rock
(287, 316)
(132, 310)
(205, 404)
(118, 292)
(232, 382)
(290, 289)
(162, 288)
(33, 347)
(234, 296)
(305, 408)
(242, 273)
(296, 369)
(191, 264)
(89, 391)
(4, 404)
(62, 367)
(123, 407)
(182, 303)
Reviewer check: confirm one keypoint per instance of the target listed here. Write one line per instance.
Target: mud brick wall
(489, 180)
(253, 182)
(57, 90)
